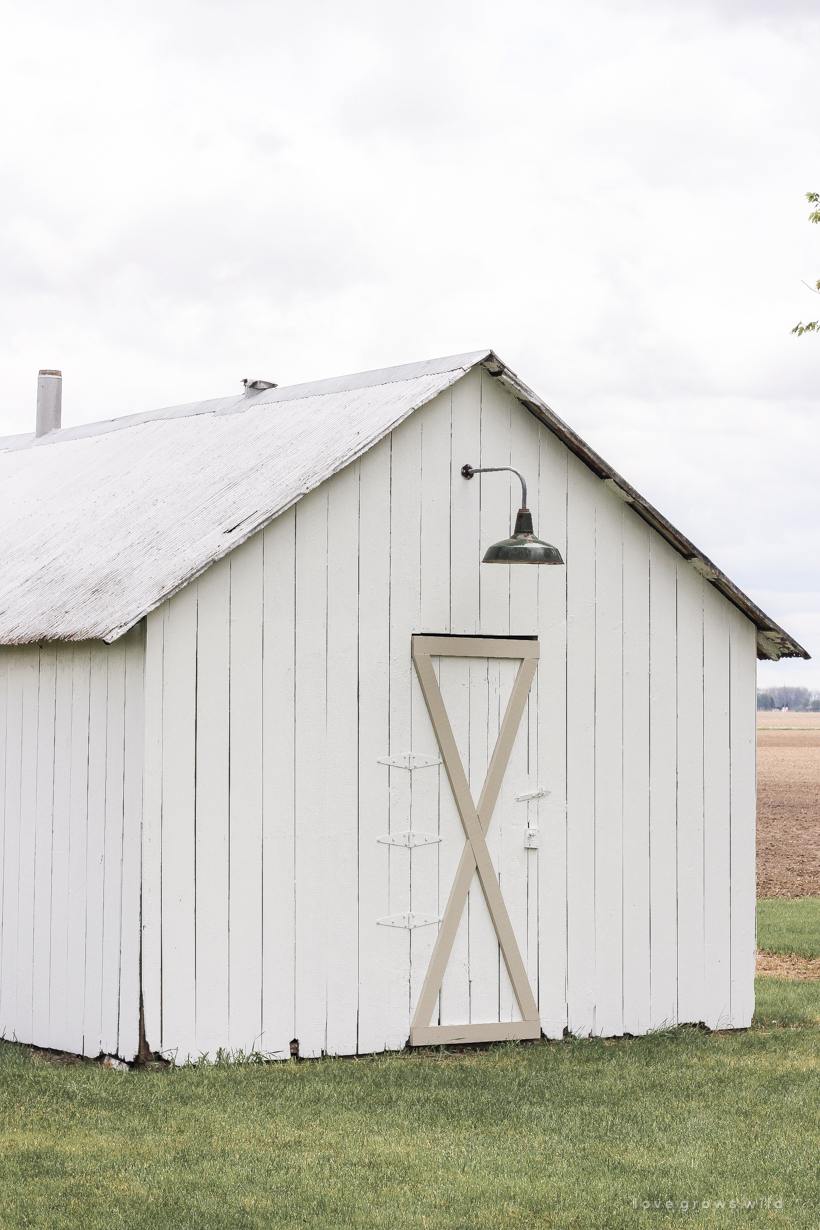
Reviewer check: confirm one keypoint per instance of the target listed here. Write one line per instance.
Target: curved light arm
(468, 471)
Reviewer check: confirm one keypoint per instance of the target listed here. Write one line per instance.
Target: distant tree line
(800, 699)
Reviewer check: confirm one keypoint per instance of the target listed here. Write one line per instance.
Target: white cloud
(608, 194)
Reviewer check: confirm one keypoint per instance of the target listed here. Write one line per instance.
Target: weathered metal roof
(105, 521)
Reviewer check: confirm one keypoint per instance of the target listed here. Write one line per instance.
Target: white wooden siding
(71, 762)
(743, 744)
(609, 723)
(636, 899)
(717, 896)
(212, 838)
(582, 490)
(279, 740)
(279, 679)
(663, 870)
(549, 767)
(689, 828)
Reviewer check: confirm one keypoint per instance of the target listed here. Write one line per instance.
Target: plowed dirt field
(788, 805)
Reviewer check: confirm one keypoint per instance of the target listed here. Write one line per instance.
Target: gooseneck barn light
(523, 547)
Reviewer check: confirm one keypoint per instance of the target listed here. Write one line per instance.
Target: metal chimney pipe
(49, 401)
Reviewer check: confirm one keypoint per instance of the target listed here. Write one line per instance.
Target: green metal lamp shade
(523, 547)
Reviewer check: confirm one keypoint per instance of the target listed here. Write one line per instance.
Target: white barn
(225, 817)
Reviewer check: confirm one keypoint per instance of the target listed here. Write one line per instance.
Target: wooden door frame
(475, 820)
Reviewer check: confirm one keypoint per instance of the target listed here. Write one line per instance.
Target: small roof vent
(257, 386)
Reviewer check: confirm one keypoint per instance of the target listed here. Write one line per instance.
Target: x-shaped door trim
(475, 855)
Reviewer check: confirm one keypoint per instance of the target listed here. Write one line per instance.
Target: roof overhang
(773, 642)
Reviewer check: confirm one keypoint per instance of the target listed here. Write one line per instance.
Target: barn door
(516, 662)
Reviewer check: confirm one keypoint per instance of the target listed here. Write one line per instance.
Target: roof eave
(773, 642)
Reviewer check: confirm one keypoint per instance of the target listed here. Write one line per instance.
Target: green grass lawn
(787, 1003)
(785, 925)
(562, 1135)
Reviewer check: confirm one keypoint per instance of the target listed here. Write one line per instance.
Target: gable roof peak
(104, 521)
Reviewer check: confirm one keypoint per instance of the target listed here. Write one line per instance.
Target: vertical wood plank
(529, 816)
(465, 617)
(5, 663)
(11, 850)
(213, 806)
(609, 765)
(580, 563)
(374, 718)
(743, 728)
(95, 846)
(151, 894)
(58, 977)
(405, 581)
(509, 820)
(491, 996)
(426, 890)
(133, 736)
(454, 1000)
(496, 497)
(663, 781)
(691, 972)
(279, 723)
(246, 796)
(465, 522)
(551, 692)
(312, 797)
(524, 456)
(484, 720)
(78, 847)
(438, 476)
(636, 958)
(40, 1034)
(113, 848)
(716, 802)
(28, 663)
(525, 588)
(342, 760)
(178, 826)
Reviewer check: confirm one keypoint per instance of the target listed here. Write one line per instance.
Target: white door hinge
(409, 839)
(408, 920)
(409, 760)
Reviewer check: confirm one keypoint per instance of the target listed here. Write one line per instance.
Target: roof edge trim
(237, 403)
(773, 641)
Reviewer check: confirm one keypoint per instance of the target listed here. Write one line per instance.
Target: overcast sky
(608, 194)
